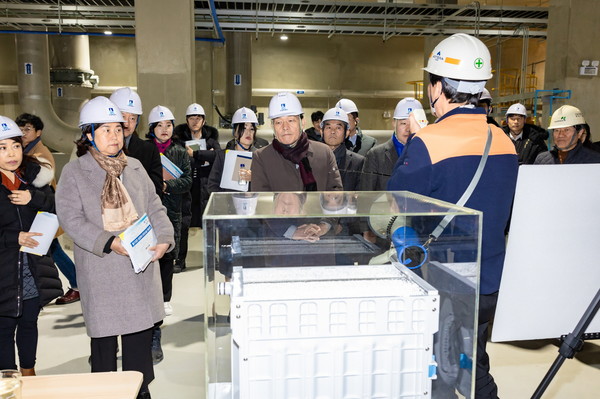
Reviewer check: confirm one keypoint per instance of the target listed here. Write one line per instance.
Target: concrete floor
(64, 348)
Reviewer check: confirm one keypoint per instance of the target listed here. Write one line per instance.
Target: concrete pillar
(571, 39)
(164, 39)
(71, 78)
(238, 46)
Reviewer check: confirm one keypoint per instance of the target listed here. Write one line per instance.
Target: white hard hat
(405, 107)
(127, 100)
(99, 110)
(284, 104)
(194, 109)
(244, 115)
(464, 58)
(485, 95)
(335, 114)
(517, 109)
(347, 105)
(160, 113)
(8, 128)
(245, 204)
(566, 116)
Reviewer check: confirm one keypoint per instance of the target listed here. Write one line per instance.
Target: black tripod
(571, 344)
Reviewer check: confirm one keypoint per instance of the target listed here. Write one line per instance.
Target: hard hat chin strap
(93, 141)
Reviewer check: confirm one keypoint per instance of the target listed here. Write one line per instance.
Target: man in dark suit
(335, 126)
(380, 160)
(130, 104)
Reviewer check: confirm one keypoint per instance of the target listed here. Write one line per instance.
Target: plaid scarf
(118, 211)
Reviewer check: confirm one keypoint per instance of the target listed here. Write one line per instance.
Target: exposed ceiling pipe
(33, 80)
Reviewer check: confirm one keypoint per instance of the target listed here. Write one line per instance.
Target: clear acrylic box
(295, 315)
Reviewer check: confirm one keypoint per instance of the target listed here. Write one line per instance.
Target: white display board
(552, 266)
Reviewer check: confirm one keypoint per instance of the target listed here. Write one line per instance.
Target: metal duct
(33, 80)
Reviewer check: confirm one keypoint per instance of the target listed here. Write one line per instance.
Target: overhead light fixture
(283, 37)
(107, 32)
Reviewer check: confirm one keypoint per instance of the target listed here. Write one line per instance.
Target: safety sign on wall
(237, 79)
(28, 68)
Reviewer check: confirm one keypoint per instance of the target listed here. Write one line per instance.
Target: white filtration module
(348, 332)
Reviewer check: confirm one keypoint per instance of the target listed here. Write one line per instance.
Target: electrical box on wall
(589, 68)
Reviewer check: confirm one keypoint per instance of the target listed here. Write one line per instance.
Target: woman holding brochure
(244, 123)
(27, 282)
(101, 194)
(177, 182)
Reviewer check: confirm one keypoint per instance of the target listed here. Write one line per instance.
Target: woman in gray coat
(99, 195)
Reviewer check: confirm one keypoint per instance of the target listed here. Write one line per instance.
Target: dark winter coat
(531, 144)
(172, 199)
(350, 165)
(18, 218)
(148, 155)
(201, 164)
(579, 154)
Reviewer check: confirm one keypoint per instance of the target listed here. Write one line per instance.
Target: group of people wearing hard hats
(104, 192)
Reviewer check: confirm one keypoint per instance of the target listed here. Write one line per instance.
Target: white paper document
(196, 145)
(47, 224)
(170, 170)
(136, 240)
(234, 161)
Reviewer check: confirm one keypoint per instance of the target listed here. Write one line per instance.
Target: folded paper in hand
(170, 170)
(136, 240)
(47, 224)
(234, 161)
(196, 145)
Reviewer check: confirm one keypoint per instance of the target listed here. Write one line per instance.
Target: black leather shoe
(179, 266)
(144, 395)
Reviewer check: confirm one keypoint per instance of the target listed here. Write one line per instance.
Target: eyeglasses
(26, 129)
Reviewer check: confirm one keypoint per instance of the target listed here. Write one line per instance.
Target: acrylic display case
(339, 295)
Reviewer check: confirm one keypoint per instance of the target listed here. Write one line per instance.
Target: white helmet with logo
(127, 100)
(335, 114)
(194, 109)
(244, 115)
(160, 113)
(464, 59)
(284, 104)
(99, 110)
(517, 109)
(8, 128)
(566, 116)
(405, 107)
(347, 105)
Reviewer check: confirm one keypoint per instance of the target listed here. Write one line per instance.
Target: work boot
(28, 372)
(157, 352)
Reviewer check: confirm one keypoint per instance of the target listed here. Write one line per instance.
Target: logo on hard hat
(5, 127)
(337, 113)
(563, 118)
(111, 111)
(130, 103)
(437, 56)
(410, 110)
(161, 113)
(244, 116)
(283, 107)
(478, 63)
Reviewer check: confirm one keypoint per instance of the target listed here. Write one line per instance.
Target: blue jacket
(440, 162)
